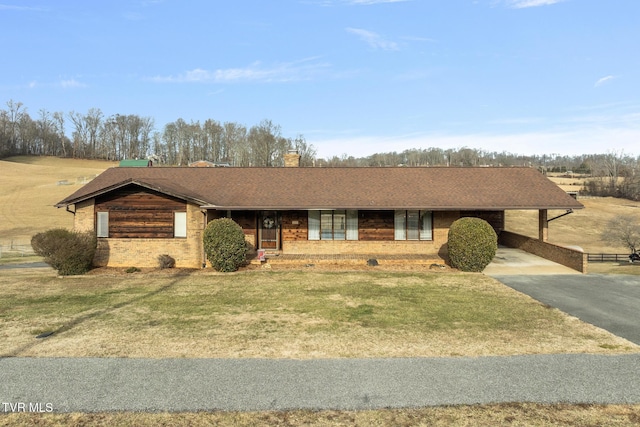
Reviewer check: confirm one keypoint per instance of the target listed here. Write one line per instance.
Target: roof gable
(436, 188)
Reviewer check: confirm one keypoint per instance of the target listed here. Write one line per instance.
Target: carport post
(543, 225)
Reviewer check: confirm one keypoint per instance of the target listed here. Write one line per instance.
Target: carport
(512, 261)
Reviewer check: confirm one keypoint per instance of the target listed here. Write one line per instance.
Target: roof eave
(381, 208)
(125, 183)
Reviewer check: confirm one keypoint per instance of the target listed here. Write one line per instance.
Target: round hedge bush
(69, 252)
(224, 245)
(472, 244)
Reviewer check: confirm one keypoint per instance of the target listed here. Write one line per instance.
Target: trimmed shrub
(224, 245)
(165, 261)
(69, 252)
(472, 244)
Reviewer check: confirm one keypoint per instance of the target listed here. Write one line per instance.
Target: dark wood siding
(494, 218)
(246, 220)
(136, 212)
(375, 225)
(294, 226)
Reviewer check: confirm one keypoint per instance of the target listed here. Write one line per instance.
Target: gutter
(386, 208)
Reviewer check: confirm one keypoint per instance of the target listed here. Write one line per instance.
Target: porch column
(543, 225)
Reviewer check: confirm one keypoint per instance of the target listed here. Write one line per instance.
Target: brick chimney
(292, 159)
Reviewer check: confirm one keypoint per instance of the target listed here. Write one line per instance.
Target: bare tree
(235, 149)
(267, 145)
(623, 230)
(14, 114)
(306, 151)
(28, 134)
(79, 135)
(58, 119)
(93, 120)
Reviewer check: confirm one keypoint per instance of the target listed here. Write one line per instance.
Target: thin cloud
(71, 83)
(292, 71)
(603, 81)
(522, 4)
(21, 8)
(373, 40)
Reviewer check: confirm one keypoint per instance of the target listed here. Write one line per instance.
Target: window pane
(339, 225)
(102, 226)
(400, 225)
(179, 224)
(352, 225)
(326, 225)
(426, 225)
(413, 222)
(314, 225)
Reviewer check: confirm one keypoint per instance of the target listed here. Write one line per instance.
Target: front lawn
(289, 314)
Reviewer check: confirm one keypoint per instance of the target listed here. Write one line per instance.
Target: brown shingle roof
(342, 188)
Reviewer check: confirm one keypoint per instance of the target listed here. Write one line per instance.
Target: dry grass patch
(30, 189)
(520, 414)
(582, 228)
(614, 268)
(290, 314)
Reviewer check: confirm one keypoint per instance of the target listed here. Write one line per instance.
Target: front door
(269, 226)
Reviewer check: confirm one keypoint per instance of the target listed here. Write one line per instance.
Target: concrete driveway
(509, 261)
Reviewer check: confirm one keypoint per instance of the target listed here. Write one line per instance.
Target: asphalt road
(114, 384)
(611, 302)
(24, 265)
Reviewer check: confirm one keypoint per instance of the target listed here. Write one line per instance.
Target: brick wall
(84, 218)
(139, 252)
(565, 256)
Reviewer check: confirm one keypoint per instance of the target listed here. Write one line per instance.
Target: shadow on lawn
(83, 318)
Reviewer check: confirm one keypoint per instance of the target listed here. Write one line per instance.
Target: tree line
(92, 135)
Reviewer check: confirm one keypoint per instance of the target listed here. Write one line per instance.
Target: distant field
(30, 188)
(32, 185)
(582, 228)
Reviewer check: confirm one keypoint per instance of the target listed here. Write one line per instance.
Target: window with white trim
(179, 224)
(102, 224)
(413, 225)
(333, 225)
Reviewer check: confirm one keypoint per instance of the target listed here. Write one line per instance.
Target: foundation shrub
(224, 245)
(69, 252)
(472, 244)
(166, 261)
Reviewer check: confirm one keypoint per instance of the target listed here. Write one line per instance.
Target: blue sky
(354, 77)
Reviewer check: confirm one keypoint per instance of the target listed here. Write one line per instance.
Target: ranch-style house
(140, 213)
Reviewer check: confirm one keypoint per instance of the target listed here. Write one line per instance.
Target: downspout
(569, 211)
(204, 226)
(70, 211)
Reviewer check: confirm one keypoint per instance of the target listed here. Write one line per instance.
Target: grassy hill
(30, 188)
(32, 185)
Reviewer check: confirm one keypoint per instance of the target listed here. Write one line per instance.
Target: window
(102, 224)
(413, 225)
(179, 224)
(333, 225)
